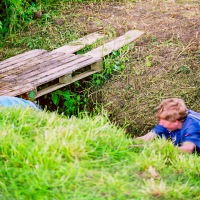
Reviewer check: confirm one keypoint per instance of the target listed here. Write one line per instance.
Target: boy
(177, 123)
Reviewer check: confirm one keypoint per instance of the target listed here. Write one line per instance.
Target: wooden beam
(97, 66)
(119, 42)
(75, 46)
(60, 85)
(21, 57)
(66, 78)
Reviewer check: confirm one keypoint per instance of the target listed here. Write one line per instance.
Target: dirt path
(171, 46)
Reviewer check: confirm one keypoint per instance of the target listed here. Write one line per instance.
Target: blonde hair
(172, 109)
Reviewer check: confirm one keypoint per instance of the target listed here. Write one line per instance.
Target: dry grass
(162, 64)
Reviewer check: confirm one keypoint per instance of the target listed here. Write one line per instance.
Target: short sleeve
(191, 135)
(160, 130)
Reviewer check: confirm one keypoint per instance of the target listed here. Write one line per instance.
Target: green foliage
(16, 14)
(113, 64)
(183, 69)
(148, 61)
(68, 102)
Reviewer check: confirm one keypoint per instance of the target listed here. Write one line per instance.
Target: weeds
(68, 102)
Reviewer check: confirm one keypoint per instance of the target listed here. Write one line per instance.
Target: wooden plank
(60, 85)
(3, 83)
(21, 58)
(24, 72)
(6, 86)
(17, 90)
(56, 74)
(18, 56)
(5, 90)
(51, 68)
(98, 66)
(35, 65)
(16, 67)
(29, 80)
(31, 61)
(66, 78)
(21, 64)
(20, 90)
(16, 86)
(97, 53)
(119, 42)
(74, 46)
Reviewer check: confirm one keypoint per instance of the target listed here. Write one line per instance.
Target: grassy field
(49, 156)
(46, 156)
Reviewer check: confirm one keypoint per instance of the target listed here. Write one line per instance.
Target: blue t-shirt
(6, 101)
(190, 131)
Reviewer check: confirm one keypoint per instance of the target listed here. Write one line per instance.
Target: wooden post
(98, 66)
(66, 78)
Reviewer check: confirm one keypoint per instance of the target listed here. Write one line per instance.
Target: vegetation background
(49, 156)
(163, 63)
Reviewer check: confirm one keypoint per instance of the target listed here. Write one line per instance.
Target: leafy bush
(15, 14)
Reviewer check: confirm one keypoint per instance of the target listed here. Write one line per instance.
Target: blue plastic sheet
(6, 101)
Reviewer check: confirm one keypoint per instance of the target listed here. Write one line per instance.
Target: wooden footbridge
(29, 72)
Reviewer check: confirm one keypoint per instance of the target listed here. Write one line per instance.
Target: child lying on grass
(177, 123)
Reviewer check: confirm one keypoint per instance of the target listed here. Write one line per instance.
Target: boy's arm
(148, 137)
(187, 147)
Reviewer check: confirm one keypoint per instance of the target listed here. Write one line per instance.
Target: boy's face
(171, 126)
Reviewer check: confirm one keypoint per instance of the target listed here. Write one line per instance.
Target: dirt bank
(171, 46)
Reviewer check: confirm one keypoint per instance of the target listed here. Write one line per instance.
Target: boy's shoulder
(194, 114)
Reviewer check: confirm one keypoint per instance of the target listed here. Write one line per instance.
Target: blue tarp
(7, 101)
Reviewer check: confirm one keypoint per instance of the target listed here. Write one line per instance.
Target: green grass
(48, 156)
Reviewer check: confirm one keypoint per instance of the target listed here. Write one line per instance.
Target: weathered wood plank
(97, 66)
(75, 46)
(45, 77)
(119, 42)
(60, 85)
(3, 83)
(7, 86)
(29, 63)
(66, 78)
(51, 68)
(36, 65)
(20, 58)
(64, 71)
(17, 90)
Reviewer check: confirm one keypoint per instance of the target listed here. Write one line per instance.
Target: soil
(172, 46)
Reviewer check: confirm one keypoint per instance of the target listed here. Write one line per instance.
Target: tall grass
(48, 156)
